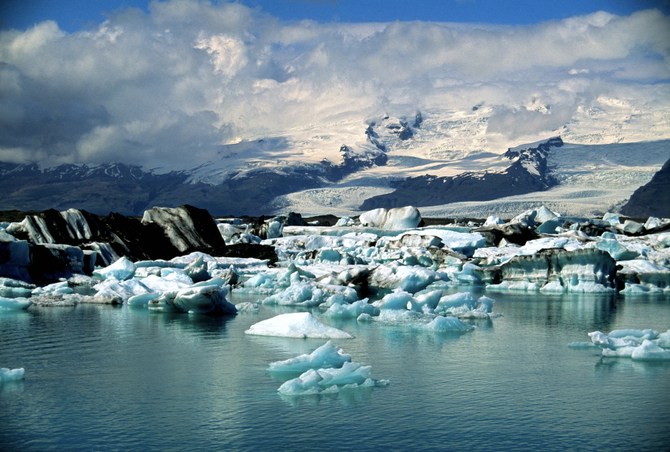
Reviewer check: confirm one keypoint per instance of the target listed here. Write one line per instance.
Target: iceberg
(13, 304)
(120, 270)
(198, 300)
(329, 381)
(299, 325)
(447, 324)
(353, 310)
(7, 375)
(397, 218)
(326, 356)
(641, 345)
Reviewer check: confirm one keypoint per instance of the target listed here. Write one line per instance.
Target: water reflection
(615, 365)
(347, 396)
(11, 386)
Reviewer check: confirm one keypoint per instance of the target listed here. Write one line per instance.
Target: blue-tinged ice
(7, 375)
(121, 270)
(297, 325)
(643, 345)
(354, 310)
(447, 324)
(329, 381)
(326, 356)
(142, 300)
(198, 300)
(14, 304)
(396, 300)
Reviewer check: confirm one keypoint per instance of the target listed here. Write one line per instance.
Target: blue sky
(73, 15)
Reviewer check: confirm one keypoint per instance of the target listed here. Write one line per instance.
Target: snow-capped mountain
(448, 162)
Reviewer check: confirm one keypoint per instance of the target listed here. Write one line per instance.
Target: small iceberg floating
(7, 375)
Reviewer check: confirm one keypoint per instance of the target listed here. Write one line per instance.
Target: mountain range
(442, 161)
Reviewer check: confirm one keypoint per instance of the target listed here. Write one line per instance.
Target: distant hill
(652, 199)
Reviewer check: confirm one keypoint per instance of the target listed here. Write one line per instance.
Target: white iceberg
(121, 270)
(329, 381)
(296, 325)
(326, 356)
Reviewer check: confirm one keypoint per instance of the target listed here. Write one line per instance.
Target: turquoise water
(102, 378)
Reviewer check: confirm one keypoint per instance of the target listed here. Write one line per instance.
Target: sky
(141, 82)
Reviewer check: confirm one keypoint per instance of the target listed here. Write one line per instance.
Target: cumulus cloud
(178, 82)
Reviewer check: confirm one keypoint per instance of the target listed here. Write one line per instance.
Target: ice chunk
(447, 324)
(611, 218)
(142, 299)
(204, 300)
(12, 304)
(544, 214)
(297, 325)
(425, 302)
(197, 270)
(631, 334)
(353, 310)
(55, 288)
(160, 285)
(396, 300)
(458, 302)
(323, 381)
(615, 249)
(7, 375)
(649, 351)
(663, 340)
(326, 356)
(410, 279)
(121, 270)
(493, 220)
(122, 289)
(398, 218)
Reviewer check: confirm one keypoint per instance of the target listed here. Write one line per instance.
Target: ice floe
(300, 325)
(642, 345)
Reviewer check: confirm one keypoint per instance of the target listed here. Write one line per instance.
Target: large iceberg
(300, 325)
(398, 218)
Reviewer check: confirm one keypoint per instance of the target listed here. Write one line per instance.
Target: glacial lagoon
(104, 378)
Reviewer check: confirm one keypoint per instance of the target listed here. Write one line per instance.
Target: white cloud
(178, 82)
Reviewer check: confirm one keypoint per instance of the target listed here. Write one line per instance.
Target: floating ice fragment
(649, 351)
(328, 381)
(7, 375)
(12, 304)
(326, 356)
(297, 325)
(351, 310)
(447, 325)
(122, 269)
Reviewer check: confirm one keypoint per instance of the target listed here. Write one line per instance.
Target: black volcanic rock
(652, 199)
(45, 247)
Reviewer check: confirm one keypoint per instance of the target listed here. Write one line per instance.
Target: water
(102, 378)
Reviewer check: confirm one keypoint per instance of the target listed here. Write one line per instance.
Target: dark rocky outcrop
(512, 232)
(51, 244)
(652, 199)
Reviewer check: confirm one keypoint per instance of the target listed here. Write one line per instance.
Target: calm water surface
(101, 378)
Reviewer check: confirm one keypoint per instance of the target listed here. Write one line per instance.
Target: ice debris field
(383, 267)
